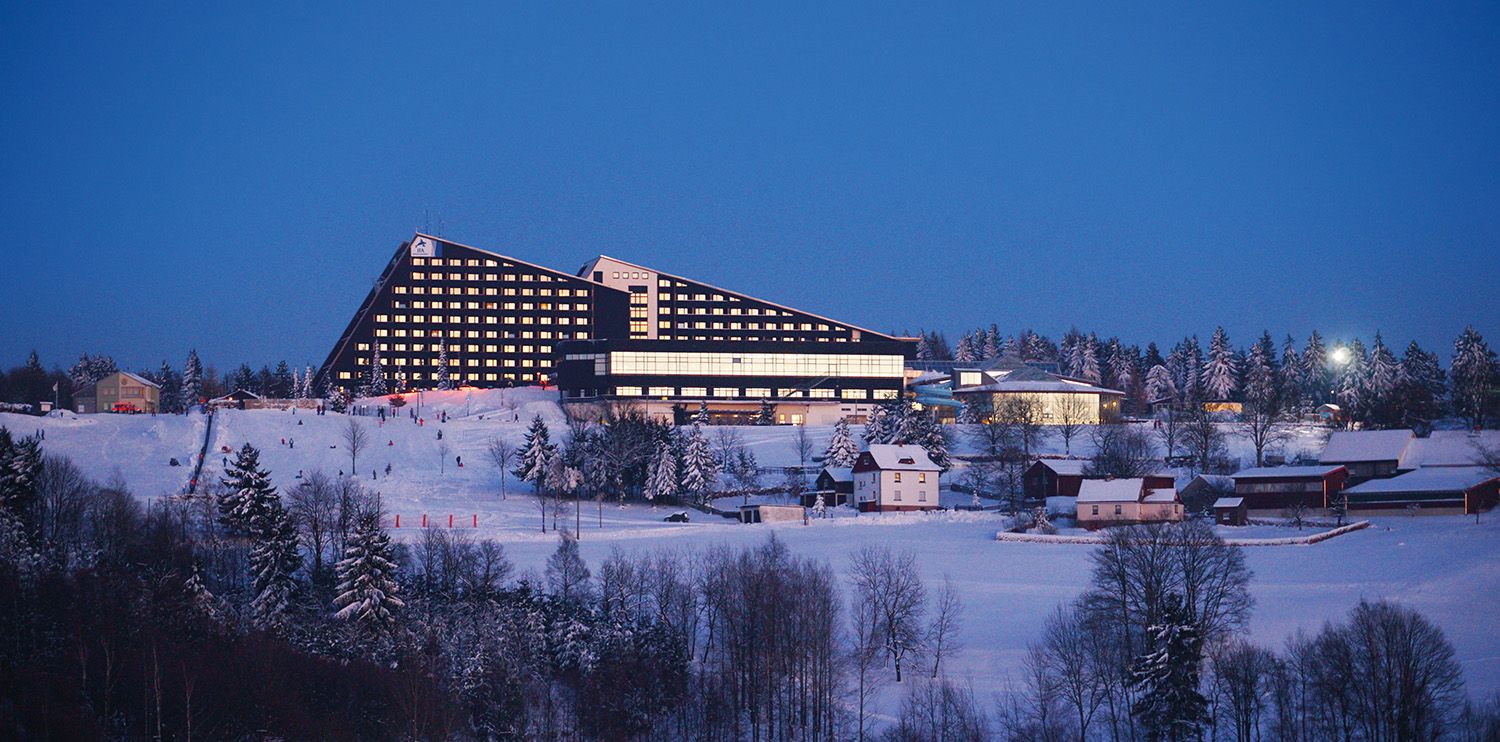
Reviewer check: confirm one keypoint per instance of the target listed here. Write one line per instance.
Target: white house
(1120, 502)
(892, 477)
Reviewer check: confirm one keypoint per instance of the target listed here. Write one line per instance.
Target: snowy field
(1448, 567)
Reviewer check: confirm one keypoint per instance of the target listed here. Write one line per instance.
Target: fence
(425, 522)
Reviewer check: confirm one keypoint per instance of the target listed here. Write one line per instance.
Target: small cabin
(891, 477)
(1231, 511)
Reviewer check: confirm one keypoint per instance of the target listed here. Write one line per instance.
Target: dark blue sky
(182, 176)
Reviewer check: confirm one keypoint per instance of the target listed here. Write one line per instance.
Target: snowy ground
(1445, 566)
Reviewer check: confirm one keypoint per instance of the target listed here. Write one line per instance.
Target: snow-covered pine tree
(1191, 387)
(820, 507)
(1472, 375)
(1421, 386)
(199, 596)
(1089, 358)
(1260, 379)
(1219, 372)
(701, 416)
(1121, 366)
(766, 415)
(444, 375)
(567, 574)
(990, 349)
(924, 350)
(876, 425)
(1351, 381)
(81, 372)
(842, 450)
(700, 472)
(965, 351)
(1159, 384)
(308, 391)
(247, 488)
(375, 384)
(368, 588)
(535, 454)
(170, 393)
(1071, 350)
(1009, 347)
(662, 481)
(192, 382)
(1316, 381)
(20, 475)
(1165, 678)
(1381, 379)
(274, 561)
(1289, 376)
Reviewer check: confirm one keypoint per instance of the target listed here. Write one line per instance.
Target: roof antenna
(426, 221)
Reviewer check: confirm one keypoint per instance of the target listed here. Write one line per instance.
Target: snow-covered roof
(906, 457)
(1451, 448)
(1347, 446)
(1228, 502)
(1067, 467)
(236, 395)
(840, 473)
(140, 379)
(1217, 481)
(1276, 472)
(1160, 496)
(1111, 490)
(1028, 379)
(1428, 479)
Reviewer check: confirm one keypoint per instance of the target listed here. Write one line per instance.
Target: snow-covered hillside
(1448, 567)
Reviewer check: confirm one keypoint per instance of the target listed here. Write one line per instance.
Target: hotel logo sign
(424, 247)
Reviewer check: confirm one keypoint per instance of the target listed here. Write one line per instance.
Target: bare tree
(1202, 438)
(1074, 411)
(355, 440)
(890, 583)
(501, 454)
(1169, 427)
(1264, 422)
(942, 635)
(1074, 661)
(314, 508)
(1122, 450)
(1021, 416)
(443, 451)
(865, 651)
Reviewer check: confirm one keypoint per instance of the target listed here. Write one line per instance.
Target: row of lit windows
(485, 291)
(381, 332)
(455, 262)
(455, 348)
(652, 363)
(473, 378)
(454, 319)
(752, 392)
(495, 277)
(545, 306)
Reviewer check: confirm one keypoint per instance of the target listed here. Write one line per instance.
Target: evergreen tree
(1260, 378)
(1168, 704)
(767, 413)
(1472, 376)
(991, 348)
(924, 350)
(1316, 381)
(1192, 379)
(247, 490)
(877, 426)
(444, 376)
(535, 454)
(170, 393)
(1289, 376)
(842, 450)
(1380, 385)
(965, 352)
(375, 384)
(282, 382)
(1159, 384)
(1219, 373)
(274, 561)
(367, 589)
(699, 470)
(20, 475)
(1121, 367)
(701, 416)
(1421, 387)
(192, 382)
(1351, 381)
(663, 477)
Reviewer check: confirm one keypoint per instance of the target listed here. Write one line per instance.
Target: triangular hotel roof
(588, 268)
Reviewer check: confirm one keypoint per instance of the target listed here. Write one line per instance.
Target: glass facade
(668, 363)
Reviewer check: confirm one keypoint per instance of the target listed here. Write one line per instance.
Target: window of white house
(897, 478)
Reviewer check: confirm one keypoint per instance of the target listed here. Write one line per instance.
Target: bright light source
(1341, 355)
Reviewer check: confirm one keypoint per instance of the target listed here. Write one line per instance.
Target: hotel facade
(611, 331)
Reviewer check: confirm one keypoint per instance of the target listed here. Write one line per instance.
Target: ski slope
(1448, 567)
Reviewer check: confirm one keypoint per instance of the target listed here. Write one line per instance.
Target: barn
(1430, 489)
(1273, 488)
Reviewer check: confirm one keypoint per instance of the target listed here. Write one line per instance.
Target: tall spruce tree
(1220, 371)
(444, 375)
(192, 382)
(1472, 375)
(1169, 705)
(700, 472)
(842, 450)
(1316, 380)
(662, 481)
(368, 591)
(247, 490)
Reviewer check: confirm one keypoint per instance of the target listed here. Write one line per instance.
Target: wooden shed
(1231, 511)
